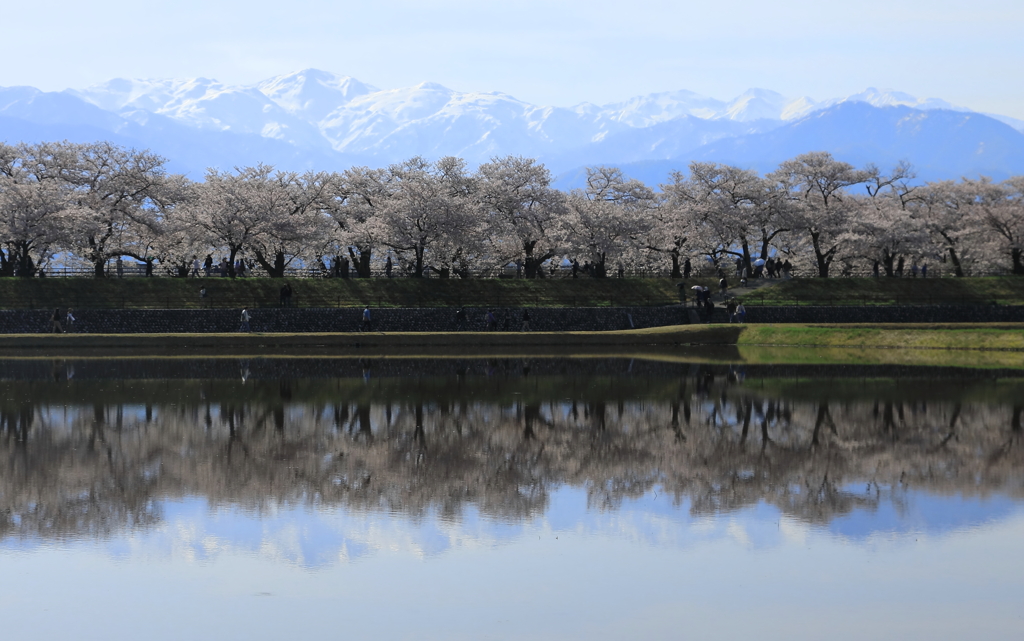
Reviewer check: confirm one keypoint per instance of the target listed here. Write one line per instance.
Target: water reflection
(92, 449)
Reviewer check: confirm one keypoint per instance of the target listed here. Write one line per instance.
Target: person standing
(492, 321)
(731, 309)
(208, 265)
(119, 267)
(69, 321)
(741, 312)
(924, 270)
(526, 321)
(686, 269)
(367, 323)
(388, 266)
(723, 285)
(195, 267)
(202, 296)
(460, 319)
(55, 327)
(245, 321)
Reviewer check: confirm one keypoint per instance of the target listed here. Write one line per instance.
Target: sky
(970, 53)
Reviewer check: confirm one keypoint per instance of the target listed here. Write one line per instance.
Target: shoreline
(945, 336)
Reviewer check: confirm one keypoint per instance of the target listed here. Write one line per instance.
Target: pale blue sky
(552, 53)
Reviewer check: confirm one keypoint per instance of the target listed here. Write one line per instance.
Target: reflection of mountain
(494, 442)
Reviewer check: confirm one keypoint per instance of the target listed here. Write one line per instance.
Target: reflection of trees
(90, 468)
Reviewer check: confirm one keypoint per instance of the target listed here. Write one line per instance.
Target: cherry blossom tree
(948, 213)
(1000, 210)
(33, 204)
(522, 212)
(432, 216)
(357, 202)
(608, 218)
(111, 188)
(817, 185)
(885, 225)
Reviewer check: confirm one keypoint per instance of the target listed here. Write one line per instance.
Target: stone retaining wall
(442, 319)
(438, 319)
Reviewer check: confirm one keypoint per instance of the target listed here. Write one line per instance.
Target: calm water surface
(438, 498)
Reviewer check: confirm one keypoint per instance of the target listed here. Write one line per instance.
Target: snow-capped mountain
(316, 119)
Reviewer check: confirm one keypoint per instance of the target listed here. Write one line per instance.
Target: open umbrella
(759, 262)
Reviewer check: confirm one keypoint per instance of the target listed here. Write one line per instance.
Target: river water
(508, 498)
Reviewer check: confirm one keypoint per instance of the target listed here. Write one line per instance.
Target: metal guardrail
(137, 270)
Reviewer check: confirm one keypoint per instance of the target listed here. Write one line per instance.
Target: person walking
(491, 320)
(195, 267)
(208, 265)
(367, 323)
(460, 319)
(526, 321)
(723, 286)
(686, 269)
(730, 307)
(69, 321)
(388, 266)
(741, 312)
(924, 270)
(202, 296)
(245, 321)
(55, 327)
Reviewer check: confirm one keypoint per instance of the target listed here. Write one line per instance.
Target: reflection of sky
(314, 538)
(648, 570)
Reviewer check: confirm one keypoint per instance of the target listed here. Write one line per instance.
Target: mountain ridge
(313, 119)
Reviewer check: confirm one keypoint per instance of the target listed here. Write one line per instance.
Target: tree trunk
(676, 271)
(361, 260)
(26, 267)
(1018, 261)
(958, 269)
(822, 259)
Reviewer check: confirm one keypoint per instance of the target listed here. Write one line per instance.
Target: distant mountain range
(318, 120)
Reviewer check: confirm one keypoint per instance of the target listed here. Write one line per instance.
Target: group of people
(898, 270)
(702, 301)
(222, 268)
(595, 270)
(69, 322)
(491, 320)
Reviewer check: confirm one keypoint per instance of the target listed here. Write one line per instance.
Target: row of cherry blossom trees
(88, 204)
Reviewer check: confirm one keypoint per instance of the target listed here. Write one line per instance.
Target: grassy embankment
(1002, 290)
(177, 293)
(992, 336)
